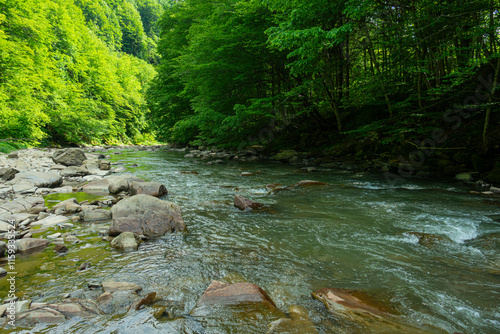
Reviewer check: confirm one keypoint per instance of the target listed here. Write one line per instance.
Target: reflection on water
(355, 233)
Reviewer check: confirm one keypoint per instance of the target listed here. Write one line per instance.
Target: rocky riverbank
(127, 211)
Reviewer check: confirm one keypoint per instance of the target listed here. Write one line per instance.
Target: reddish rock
(219, 293)
(243, 203)
(308, 183)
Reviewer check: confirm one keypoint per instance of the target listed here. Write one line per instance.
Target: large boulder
(243, 203)
(39, 179)
(147, 188)
(146, 215)
(69, 157)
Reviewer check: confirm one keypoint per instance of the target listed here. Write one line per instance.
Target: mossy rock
(286, 155)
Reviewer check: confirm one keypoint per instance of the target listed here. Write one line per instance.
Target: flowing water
(357, 233)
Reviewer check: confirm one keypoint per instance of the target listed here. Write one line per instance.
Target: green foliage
(62, 77)
(231, 69)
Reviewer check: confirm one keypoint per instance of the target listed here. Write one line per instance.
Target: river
(429, 250)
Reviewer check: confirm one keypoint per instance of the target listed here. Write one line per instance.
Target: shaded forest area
(345, 77)
(76, 72)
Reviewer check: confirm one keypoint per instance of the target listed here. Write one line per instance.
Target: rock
(148, 300)
(352, 308)
(118, 302)
(219, 293)
(69, 157)
(111, 184)
(38, 179)
(84, 266)
(7, 174)
(495, 190)
(95, 215)
(126, 241)
(74, 171)
(297, 312)
(51, 221)
(243, 203)
(307, 183)
(465, 177)
(24, 245)
(13, 155)
(429, 240)
(104, 165)
(31, 318)
(5, 227)
(22, 305)
(286, 155)
(289, 326)
(3, 272)
(75, 308)
(121, 183)
(229, 307)
(70, 206)
(60, 248)
(112, 287)
(32, 205)
(246, 174)
(72, 239)
(147, 188)
(146, 215)
(54, 236)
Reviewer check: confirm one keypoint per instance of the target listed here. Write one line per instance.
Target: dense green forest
(76, 72)
(317, 73)
(337, 75)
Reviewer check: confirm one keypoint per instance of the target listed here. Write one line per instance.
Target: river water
(358, 233)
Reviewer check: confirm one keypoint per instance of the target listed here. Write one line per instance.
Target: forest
(325, 75)
(76, 72)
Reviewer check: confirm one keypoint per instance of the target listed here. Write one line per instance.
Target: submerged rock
(361, 313)
(308, 183)
(220, 293)
(230, 307)
(69, 157)
(146, 215)
(243, 203)
(120, 286)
